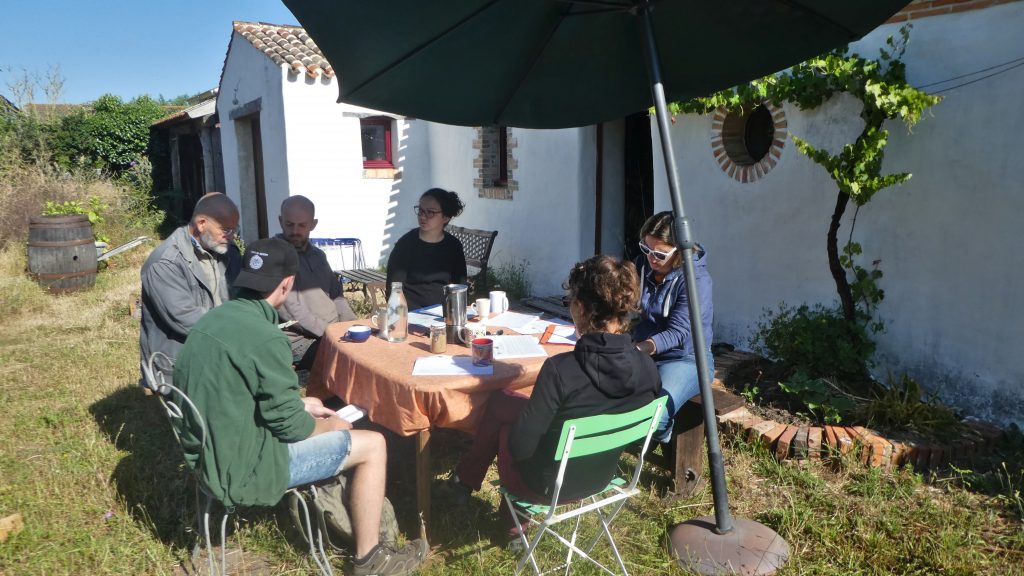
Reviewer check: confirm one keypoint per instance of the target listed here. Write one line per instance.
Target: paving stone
(814, 443)
(785, 441)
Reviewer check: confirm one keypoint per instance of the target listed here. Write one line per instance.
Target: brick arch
(723, 147)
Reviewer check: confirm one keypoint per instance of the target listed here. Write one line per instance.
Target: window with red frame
(376, 133)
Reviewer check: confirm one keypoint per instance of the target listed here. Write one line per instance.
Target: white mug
(483, 308)
(472, 331)
(499, 302)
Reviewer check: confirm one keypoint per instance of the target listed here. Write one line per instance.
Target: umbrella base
(750, 549)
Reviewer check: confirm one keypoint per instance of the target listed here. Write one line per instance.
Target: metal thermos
(454, 306)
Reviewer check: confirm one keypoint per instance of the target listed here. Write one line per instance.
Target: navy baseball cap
(266, 263)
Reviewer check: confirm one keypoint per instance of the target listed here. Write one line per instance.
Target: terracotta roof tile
(287, 46)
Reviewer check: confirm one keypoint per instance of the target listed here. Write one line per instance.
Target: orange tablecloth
(376, 375)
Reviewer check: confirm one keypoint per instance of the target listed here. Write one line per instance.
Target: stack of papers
(506, 347)
(443, 365)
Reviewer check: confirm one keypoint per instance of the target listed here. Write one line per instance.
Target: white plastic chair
(583, 437)
(157, 374)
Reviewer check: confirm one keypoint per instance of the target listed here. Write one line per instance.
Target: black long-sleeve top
(604, 374)
(424, 268)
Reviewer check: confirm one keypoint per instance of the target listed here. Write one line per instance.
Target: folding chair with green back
(157, 374)
(584, 437)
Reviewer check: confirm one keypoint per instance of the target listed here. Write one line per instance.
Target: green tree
(882, 89)
(112, 134)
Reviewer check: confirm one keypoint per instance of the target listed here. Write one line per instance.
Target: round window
(748, 143)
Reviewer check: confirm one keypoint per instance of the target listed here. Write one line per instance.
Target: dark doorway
(639, 179)
(261, 193)
(190, 162)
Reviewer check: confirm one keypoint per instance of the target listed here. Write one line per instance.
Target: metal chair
(157, 377)
(476, 245)
(338, 246)
(584, 437)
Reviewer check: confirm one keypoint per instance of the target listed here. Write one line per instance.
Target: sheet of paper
(351, 413)
(539, 326)
(434, 310)
(443, 365)
(513, 320)
(517, 347)
(564, 335)
(422, 319)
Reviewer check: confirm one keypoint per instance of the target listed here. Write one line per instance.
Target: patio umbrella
(566, 63)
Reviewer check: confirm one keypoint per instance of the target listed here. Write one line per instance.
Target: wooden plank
(10, 525)
(688, 468)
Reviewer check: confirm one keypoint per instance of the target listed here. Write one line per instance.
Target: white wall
(949, 241)
(248, 75)
(550, 220)
(324, 151)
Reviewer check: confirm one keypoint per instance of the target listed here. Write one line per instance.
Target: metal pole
(684, 240)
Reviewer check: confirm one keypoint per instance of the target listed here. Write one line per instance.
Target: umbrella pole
(744, 547)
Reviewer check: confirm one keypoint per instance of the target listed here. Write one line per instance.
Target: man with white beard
(188, 274)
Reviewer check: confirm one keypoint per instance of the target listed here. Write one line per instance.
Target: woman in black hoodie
(604, 374)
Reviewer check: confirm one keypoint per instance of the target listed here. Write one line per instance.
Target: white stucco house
(284, 133)
(949, 241)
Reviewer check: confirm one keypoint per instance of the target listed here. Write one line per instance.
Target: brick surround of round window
(734, 154)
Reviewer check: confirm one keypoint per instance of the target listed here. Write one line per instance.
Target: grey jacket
(175, 292)
(316, 299)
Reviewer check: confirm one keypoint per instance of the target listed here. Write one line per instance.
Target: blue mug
(358, 333)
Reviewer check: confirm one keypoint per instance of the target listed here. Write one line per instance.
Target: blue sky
(127, 48)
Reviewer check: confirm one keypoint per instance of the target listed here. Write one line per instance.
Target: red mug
(483, 351)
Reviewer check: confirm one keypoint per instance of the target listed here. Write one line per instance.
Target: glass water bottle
(398, 314)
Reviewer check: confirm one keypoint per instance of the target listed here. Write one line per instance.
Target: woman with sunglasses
(427, 258)
(663, 331)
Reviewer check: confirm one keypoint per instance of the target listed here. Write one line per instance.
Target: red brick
(861, 447)
(924, 456)
(967, 6)
(740, 412)
(814, 443)
(757, 431)
(747, 425)
(930, 12)
(845, 443)
(769, 438)
(831, 443)
(785, 440)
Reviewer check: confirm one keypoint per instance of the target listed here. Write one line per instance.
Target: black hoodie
(604, 374)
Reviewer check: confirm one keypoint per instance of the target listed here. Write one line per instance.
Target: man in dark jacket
(316, 300)
(262, 438)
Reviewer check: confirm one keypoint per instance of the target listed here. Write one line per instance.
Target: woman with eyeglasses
(663, 331)
(427, 258)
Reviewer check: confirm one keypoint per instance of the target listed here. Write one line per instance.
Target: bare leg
(368, 462)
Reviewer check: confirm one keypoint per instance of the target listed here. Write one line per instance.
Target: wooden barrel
(62, 252)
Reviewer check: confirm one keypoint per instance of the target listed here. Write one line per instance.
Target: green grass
(89, 462)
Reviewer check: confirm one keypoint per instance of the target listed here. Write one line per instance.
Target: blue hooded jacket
(665, 311)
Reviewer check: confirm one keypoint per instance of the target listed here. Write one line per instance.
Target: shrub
(512, 276)
(901, 404)
(816, 339)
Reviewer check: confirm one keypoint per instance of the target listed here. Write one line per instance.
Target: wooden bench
(684, 456)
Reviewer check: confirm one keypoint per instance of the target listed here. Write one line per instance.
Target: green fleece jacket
(236, 366)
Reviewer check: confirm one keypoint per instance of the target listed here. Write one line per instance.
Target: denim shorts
(318, 458)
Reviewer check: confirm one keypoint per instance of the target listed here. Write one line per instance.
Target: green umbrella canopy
(558, 64)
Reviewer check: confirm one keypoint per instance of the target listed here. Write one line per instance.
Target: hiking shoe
(387, 560)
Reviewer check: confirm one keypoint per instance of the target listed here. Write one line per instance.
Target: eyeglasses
(659, 256)
(425, 212)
